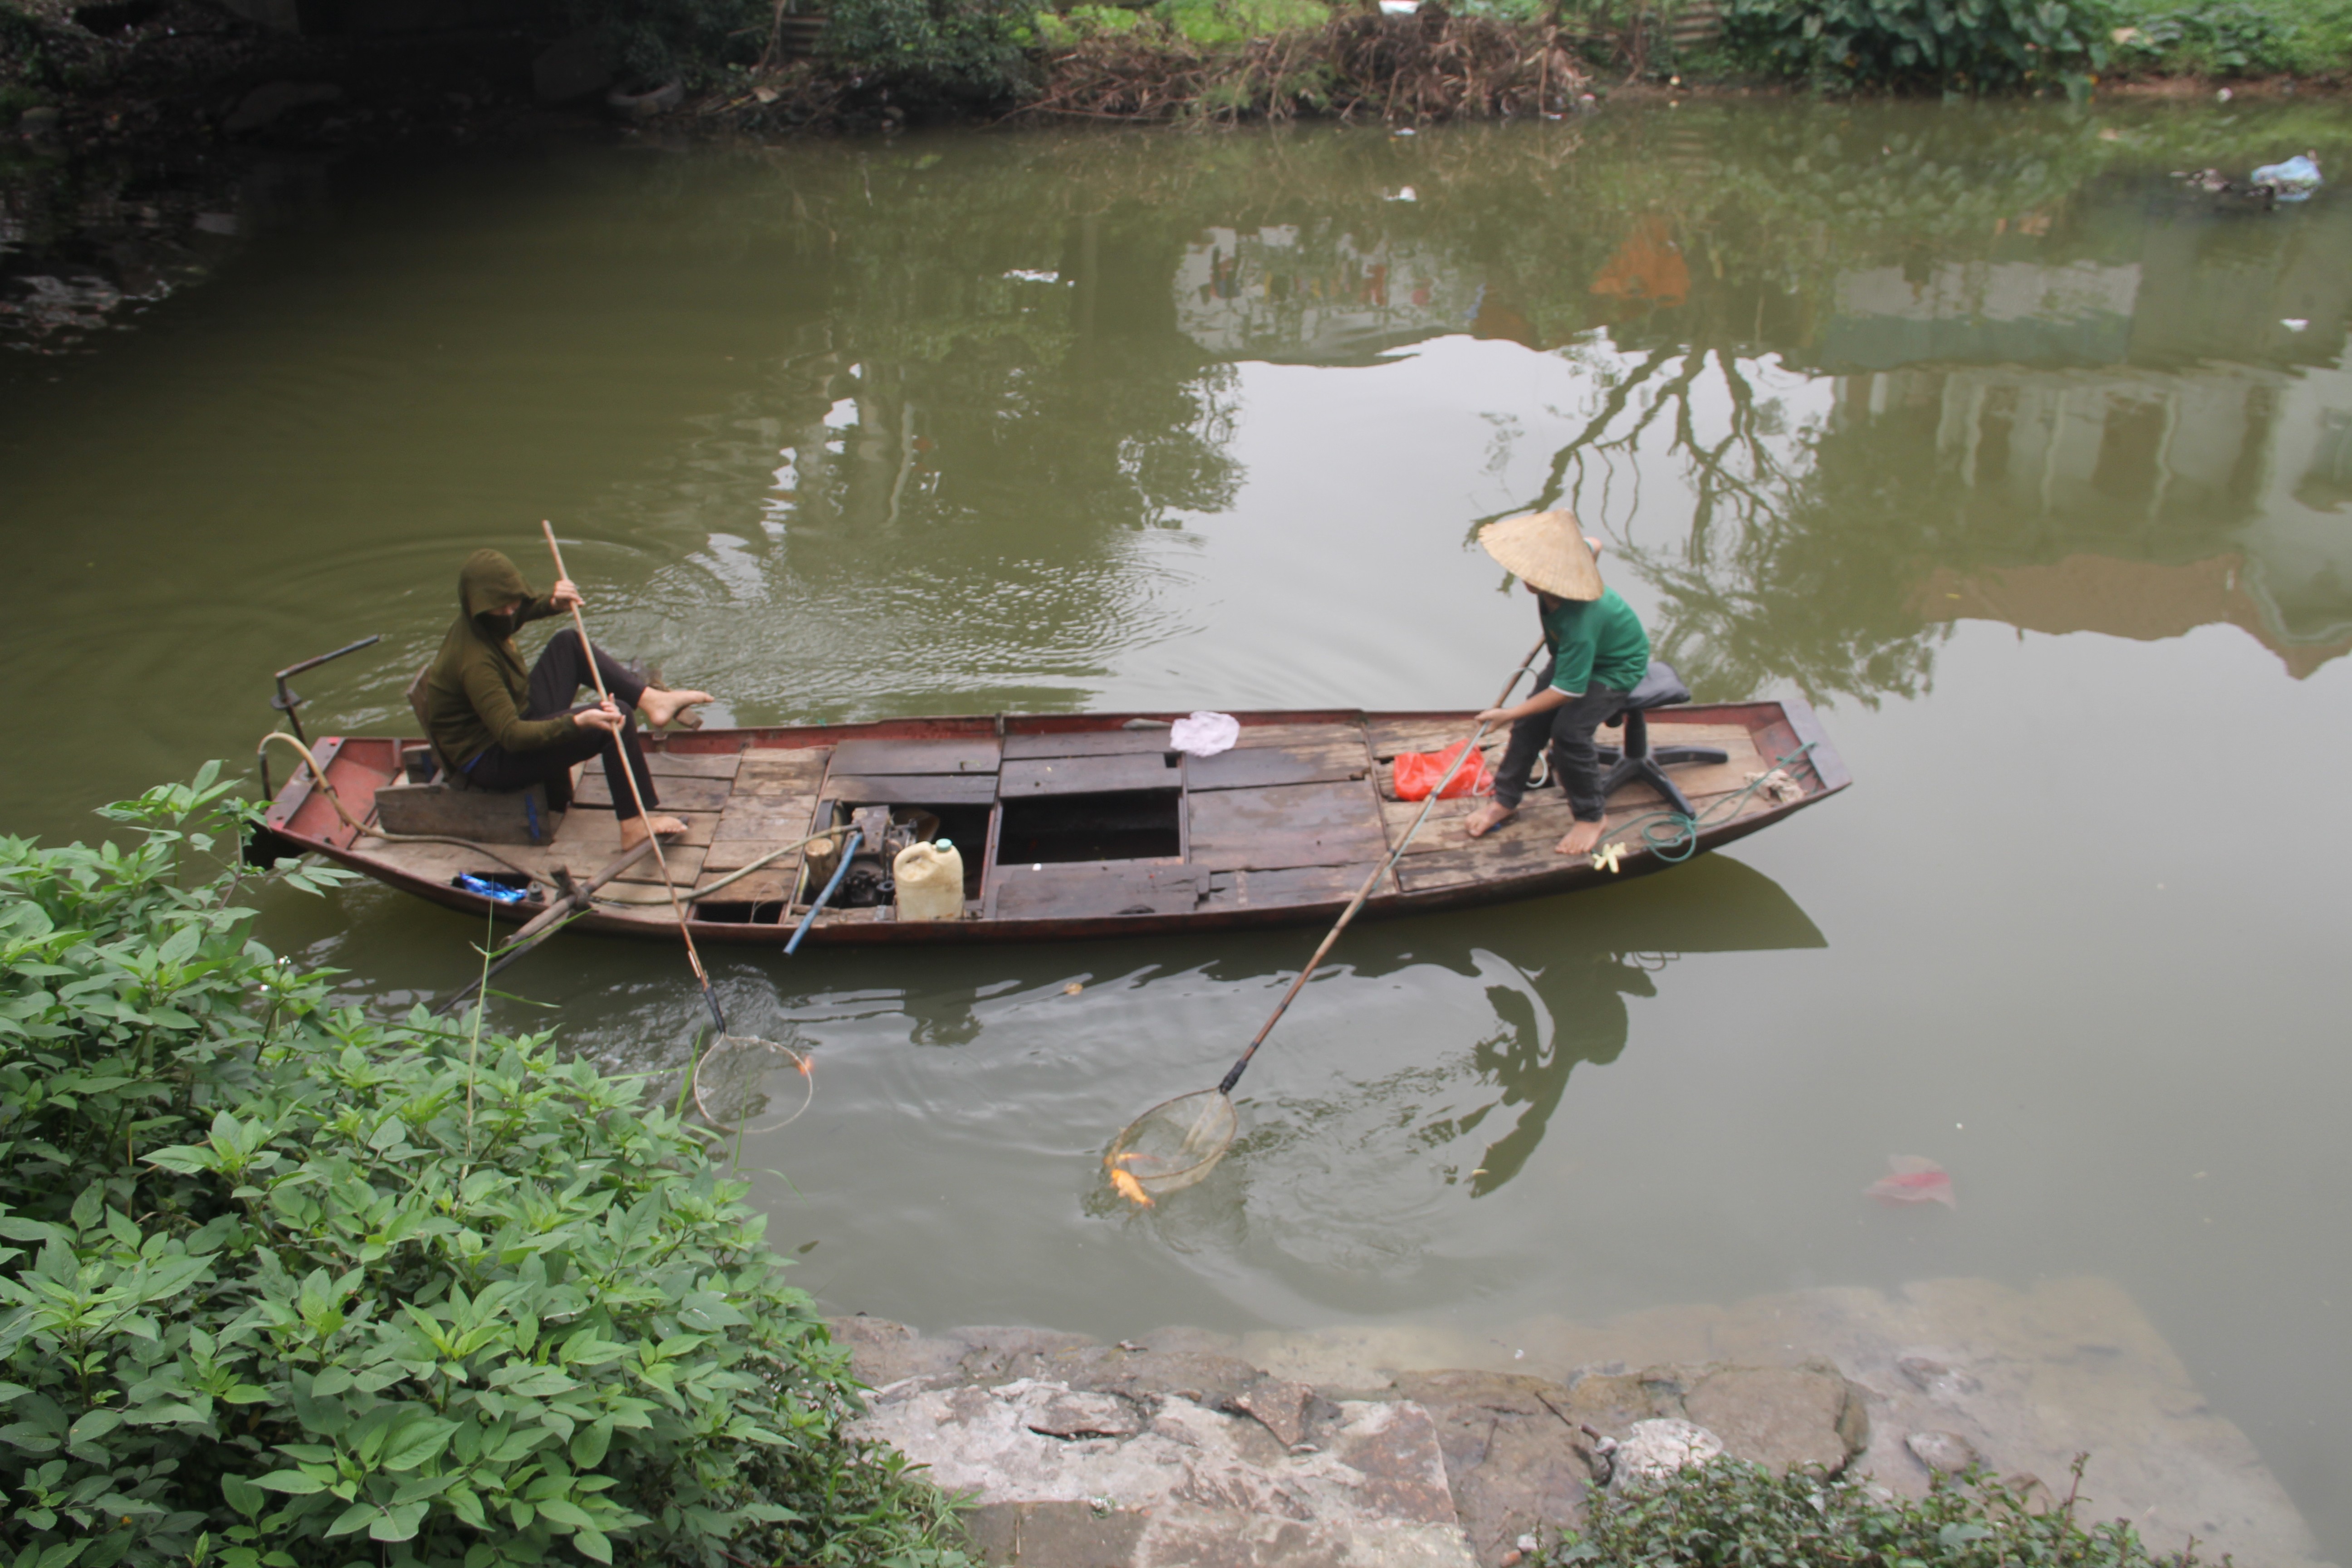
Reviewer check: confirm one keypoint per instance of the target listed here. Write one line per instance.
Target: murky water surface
(1969, 425)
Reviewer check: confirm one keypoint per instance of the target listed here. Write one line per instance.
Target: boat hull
(1073, 826)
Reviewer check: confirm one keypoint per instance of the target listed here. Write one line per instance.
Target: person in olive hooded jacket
(508, 727)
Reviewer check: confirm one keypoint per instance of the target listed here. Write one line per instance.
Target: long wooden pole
(1469, 748)
(677, 905)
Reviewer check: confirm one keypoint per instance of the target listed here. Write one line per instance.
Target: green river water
(2033, 470)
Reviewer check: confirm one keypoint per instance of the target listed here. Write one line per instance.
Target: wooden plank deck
(1283, 825)
(1292, 818)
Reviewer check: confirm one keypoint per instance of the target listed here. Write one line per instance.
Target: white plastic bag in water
(1204, 734)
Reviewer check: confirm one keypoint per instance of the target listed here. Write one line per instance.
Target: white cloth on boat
(1204, 734)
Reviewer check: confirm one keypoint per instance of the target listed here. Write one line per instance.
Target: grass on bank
(287, 1287)
(1728, 1514)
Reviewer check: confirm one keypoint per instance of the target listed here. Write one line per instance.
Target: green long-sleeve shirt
(478, 685)
(1601, 640)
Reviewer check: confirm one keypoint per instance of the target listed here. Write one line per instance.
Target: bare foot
(634, 829)
(1487, 818)
(1582, 839)
(662, 708)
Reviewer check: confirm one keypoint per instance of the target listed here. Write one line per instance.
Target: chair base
(1638, 763)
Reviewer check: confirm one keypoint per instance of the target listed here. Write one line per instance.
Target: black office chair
(1661, 687)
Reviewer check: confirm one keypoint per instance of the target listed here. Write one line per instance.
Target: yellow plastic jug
(930, 881)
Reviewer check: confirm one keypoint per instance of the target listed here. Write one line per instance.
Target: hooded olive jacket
(478, 685)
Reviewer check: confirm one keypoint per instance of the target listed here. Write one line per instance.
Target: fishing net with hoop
(744, 1084)
(1171, 1145)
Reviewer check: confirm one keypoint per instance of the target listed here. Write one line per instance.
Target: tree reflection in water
(1881, 367)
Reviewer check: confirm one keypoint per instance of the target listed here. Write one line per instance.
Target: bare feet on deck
(1582, 839)
(1486, 819)
(663, 707)
(634, 829)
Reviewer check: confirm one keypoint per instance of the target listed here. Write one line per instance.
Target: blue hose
(839, 871)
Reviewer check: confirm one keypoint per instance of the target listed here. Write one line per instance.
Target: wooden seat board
(685, 865)
(1286, 825)
(772, 885)
(1327, 759)
(681, 793)
(692, 765)
(1087, 743)
(775, 818)
(597, 833)
(1290, 734)
(1093, 890)
(797, 780)
(956, 754)
(1024, 778)
(912, 789)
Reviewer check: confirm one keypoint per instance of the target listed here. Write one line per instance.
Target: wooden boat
(1070, 825)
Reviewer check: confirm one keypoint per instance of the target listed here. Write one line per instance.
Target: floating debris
(2293, 181)
(1912, 1180)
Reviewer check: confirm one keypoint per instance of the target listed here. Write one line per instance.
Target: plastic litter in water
(2292, 181)
(1913, 1180)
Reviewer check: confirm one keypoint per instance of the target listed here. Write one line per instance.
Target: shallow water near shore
(2033, 470)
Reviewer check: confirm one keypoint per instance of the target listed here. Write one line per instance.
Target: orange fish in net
(1124, 1183)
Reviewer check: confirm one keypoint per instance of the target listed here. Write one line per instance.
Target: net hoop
(1171, 1146)
(748, 1085)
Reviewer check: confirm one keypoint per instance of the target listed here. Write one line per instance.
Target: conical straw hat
(1545, 550)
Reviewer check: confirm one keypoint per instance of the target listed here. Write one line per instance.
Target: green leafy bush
(959, 51)
(1944, 46)
(2227, 40)
(1232, 21)
(1061, 30)
(292, 1287)
(1728, 1513)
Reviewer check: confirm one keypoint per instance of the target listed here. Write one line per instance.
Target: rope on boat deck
(359, 832)
(1673, 837)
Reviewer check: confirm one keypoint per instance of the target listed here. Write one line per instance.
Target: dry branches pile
(1423, 67)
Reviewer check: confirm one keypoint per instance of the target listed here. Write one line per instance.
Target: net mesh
(1171, 1145)
(744, 1084)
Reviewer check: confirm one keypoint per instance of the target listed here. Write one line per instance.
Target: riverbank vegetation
(131, 66)
(285, 1286)
(1728, 1513)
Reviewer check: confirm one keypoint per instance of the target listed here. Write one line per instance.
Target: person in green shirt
(1598, 654)
(507, 727)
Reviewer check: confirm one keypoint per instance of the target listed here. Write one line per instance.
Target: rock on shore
(1082, 1455)
(1432, 1448)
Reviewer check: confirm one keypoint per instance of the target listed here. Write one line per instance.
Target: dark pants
(555, 680)
(1575, 766)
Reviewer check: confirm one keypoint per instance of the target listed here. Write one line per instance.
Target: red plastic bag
(1417, 773)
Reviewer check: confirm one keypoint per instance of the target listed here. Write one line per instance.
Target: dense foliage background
(290, 1286)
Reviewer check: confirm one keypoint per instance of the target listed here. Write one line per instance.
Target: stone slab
(1883, 1382)
(1368, 1484)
